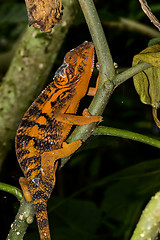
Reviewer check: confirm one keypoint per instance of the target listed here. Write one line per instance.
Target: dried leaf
(44, 14)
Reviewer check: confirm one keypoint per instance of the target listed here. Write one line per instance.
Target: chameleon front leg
(85, 119)
(25, 189)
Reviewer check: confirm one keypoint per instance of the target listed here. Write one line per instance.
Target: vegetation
(102, 190)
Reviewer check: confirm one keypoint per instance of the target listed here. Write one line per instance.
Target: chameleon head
(80, 64)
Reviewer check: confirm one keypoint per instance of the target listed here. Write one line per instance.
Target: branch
(11, 189)
(24, 217)
(109, 131)
(106, 68)
(122, 77)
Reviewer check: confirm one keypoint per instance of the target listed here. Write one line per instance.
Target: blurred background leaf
(13, 13)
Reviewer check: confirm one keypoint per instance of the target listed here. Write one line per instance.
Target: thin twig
(146, 9)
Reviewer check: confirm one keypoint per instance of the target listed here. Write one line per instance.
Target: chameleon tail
(42, 219)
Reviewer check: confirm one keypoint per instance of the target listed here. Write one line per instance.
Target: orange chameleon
(40, 139)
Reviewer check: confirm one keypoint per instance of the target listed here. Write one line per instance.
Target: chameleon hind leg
(24, 186)
(49, 159)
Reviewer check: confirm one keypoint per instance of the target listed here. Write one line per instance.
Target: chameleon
(40, 138)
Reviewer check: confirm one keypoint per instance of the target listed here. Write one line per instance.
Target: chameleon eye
(71, 57)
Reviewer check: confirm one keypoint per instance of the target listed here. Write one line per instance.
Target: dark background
(101, 192)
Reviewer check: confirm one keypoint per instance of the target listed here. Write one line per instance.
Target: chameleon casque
(40, 138)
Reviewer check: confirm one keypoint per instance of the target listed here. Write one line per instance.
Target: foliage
(101, 192)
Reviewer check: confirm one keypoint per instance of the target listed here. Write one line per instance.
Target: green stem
(122, 77)
(109, 131)
(105, 61)
(11, 189)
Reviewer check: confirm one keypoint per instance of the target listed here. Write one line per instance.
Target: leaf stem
(11, 189)
(109, 131)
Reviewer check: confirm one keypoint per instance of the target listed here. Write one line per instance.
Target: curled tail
(42, 219)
